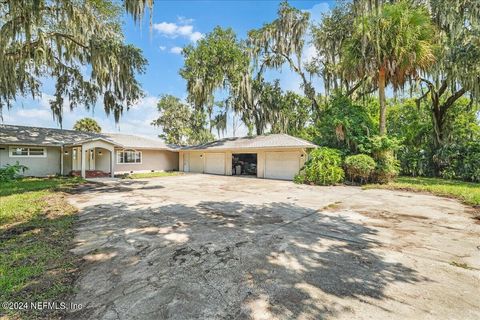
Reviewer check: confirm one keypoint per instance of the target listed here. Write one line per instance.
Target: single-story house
(47, 151)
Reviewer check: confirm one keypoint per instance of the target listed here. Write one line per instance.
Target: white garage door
(281, 165)
(215, 163)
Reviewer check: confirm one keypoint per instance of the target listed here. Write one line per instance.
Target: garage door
(196, 162)
(281, 165)
(215, 163)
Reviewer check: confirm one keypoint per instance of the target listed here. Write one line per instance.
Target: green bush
(387, 169)
(459, 161)
(322, 168)
(11, 172)
(382, 149)
(359, 167)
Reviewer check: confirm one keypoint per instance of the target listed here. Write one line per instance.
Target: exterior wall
(157, 160)
(48, 166)
(196, 163)
(102, 159)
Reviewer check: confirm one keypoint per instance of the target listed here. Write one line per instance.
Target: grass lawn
(467, 192)
(152, 174)
(35, 237)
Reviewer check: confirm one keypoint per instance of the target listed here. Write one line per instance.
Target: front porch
(92, 159)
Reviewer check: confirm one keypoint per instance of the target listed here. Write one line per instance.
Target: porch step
(90, 174)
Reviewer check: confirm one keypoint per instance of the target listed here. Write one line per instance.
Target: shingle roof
(23, 135)
(256, 142)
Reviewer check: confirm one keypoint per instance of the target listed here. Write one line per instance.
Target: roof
(255, 142)
(23, 135)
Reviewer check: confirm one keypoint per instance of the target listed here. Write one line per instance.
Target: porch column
(112, 163)
(83, 158)
(62, 153)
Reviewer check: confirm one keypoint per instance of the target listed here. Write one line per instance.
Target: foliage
(292, 114)
(61, 39)
(359, 167)
(390, 46)
(217, 61)
(281, 42)
(87, 125)
(348, 125)
(459, 161)
(322, 168)
(11, 172)
(382, 149)
(180, 123)
(467, 192)
(36, 228)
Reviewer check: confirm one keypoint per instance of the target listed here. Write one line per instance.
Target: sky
(175, 25)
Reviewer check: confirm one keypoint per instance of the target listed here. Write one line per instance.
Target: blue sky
(175, 24)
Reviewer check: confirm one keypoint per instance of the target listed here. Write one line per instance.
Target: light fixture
(301, 156)
(201, 156)
(66, 153)
(99, 153)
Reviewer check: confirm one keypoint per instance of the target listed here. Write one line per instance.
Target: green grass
(467, 192)
(152, 174)
(35, 237)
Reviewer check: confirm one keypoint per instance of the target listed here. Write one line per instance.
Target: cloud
(183, 28)
(176, 50)
(317, 11)
(162, 48)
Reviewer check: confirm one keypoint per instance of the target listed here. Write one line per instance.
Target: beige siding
(50, 165)
(195, 159)
(102, 159)
(157, 160)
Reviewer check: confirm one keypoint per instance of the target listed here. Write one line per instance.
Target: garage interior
(244, 164)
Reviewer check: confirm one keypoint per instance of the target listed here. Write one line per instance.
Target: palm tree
(87, 125)
(391, 46)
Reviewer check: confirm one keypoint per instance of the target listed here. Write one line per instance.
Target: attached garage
(274, 156)
(215, 163)
(282, 165)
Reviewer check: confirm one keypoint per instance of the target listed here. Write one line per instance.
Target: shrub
(11, 172)
(387, 169)
(382, 149)
(322, 168)
(459, 161)
(359, 167)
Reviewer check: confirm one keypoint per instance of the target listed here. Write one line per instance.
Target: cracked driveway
(215, 247)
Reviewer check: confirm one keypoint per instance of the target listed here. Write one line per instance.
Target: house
(47, 151)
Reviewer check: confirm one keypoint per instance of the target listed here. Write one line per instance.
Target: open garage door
(215, 163)
(281, 165)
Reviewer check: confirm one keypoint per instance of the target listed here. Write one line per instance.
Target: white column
(112, 163)
(83, 159)
(61, 160)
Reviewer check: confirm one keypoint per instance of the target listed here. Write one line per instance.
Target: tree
(87, 125)
(218, 61)
(391, 45)
(181, 124)
(281, 42)
(62, 39)
(456, 72)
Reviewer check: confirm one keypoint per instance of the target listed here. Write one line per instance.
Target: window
(28, 152)
(129, 156)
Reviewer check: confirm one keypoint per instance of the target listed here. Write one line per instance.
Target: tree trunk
(383, 102)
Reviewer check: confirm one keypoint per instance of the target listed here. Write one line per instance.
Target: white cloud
(176, 50)
(38, 114)
(162, 48)
(317, 11)
(196, 36)
(183, 28)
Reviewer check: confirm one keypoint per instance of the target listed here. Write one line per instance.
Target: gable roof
(23, 135)
(255, 142)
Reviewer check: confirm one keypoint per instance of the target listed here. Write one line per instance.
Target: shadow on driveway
(227, 260)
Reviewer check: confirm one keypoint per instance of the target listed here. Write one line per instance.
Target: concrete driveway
(215, 247)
